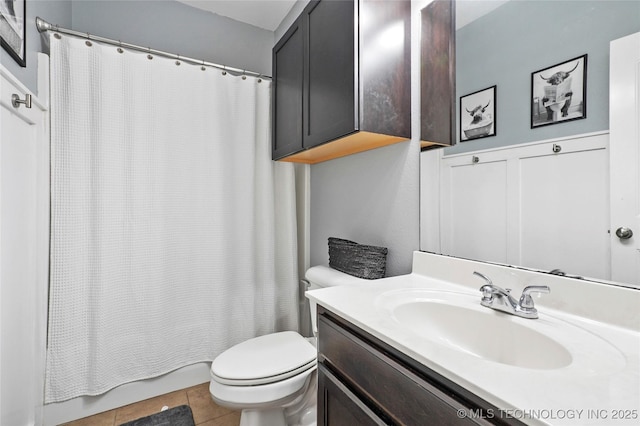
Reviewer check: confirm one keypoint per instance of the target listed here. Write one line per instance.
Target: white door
(24, 210)
(624, 119)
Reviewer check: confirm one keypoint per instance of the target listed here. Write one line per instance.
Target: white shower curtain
(173, 234)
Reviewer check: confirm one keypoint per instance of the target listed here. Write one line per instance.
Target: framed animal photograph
(478, 114)
(12, 29)
(559, 93)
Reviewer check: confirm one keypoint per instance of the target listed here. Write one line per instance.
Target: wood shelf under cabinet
(352, 144)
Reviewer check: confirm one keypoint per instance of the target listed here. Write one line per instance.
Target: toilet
(272, 378)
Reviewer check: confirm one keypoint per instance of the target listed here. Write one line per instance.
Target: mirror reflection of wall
(504, 46)
(527, 205)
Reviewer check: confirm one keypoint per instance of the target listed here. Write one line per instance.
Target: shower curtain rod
(44, 26)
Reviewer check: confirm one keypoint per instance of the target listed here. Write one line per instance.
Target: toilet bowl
(273, 378)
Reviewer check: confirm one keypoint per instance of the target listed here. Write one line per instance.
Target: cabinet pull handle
(475, 159)
(16, 101)
(556, 148)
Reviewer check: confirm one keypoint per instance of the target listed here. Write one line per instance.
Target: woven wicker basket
(359, 260)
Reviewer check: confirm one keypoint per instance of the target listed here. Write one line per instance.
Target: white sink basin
(457, 321)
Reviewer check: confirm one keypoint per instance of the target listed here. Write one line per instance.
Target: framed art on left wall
(13, 34)
(478, 114)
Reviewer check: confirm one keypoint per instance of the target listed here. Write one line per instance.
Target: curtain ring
(224, 70)
(259, 78)
(203, 68)
(178, 61)
(149, 56)
(244, 74)
(88, 42)
(120, 50)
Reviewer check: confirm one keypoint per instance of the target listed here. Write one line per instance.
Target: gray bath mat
(177, 416)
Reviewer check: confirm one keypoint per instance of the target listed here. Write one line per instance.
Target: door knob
(624, 233)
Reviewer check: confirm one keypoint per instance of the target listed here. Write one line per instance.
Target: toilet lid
(264, 359)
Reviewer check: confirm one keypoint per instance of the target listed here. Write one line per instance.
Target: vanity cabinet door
(339, 405)
(398, 389)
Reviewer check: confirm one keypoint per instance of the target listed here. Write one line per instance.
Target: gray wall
(371, 198)
(177, 28)
(56, 11)
(521, 37)
(295, 11)
(161, 24)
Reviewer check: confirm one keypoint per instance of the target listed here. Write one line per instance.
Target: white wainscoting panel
(474, 210)
(564, 222)
(542, 205)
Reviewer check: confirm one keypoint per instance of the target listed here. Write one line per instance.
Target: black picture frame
(13, 34)
(559, 93)
(478, 114)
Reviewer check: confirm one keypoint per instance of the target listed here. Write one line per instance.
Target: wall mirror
(529, 202)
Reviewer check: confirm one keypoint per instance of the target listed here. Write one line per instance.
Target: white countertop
(576, 394)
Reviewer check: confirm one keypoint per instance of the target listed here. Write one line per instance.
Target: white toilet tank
(324, 276)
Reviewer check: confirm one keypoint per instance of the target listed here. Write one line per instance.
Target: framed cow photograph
(559, 93)
(13, 29)
(478, 114)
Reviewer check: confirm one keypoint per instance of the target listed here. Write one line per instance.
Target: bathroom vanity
(362, 380)
(421, 349)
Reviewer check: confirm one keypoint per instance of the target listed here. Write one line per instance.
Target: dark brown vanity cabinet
(363, 381)
(341, 80)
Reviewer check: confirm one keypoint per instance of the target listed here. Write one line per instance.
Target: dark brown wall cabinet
(437, 74)
(341, 79)
(363, 381)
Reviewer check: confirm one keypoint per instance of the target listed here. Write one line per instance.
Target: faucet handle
(487, 293)
(526, 301)
(486, 289)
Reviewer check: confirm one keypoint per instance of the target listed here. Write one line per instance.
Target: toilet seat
(266, 395)
(263, 360)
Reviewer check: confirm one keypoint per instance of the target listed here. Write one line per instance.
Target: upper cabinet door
(437, 74)
(287, 91)
(330, 71)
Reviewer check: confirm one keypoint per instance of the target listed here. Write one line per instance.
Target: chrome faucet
(500, 299)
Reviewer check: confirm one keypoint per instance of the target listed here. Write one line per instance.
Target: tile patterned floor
(205, 411)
